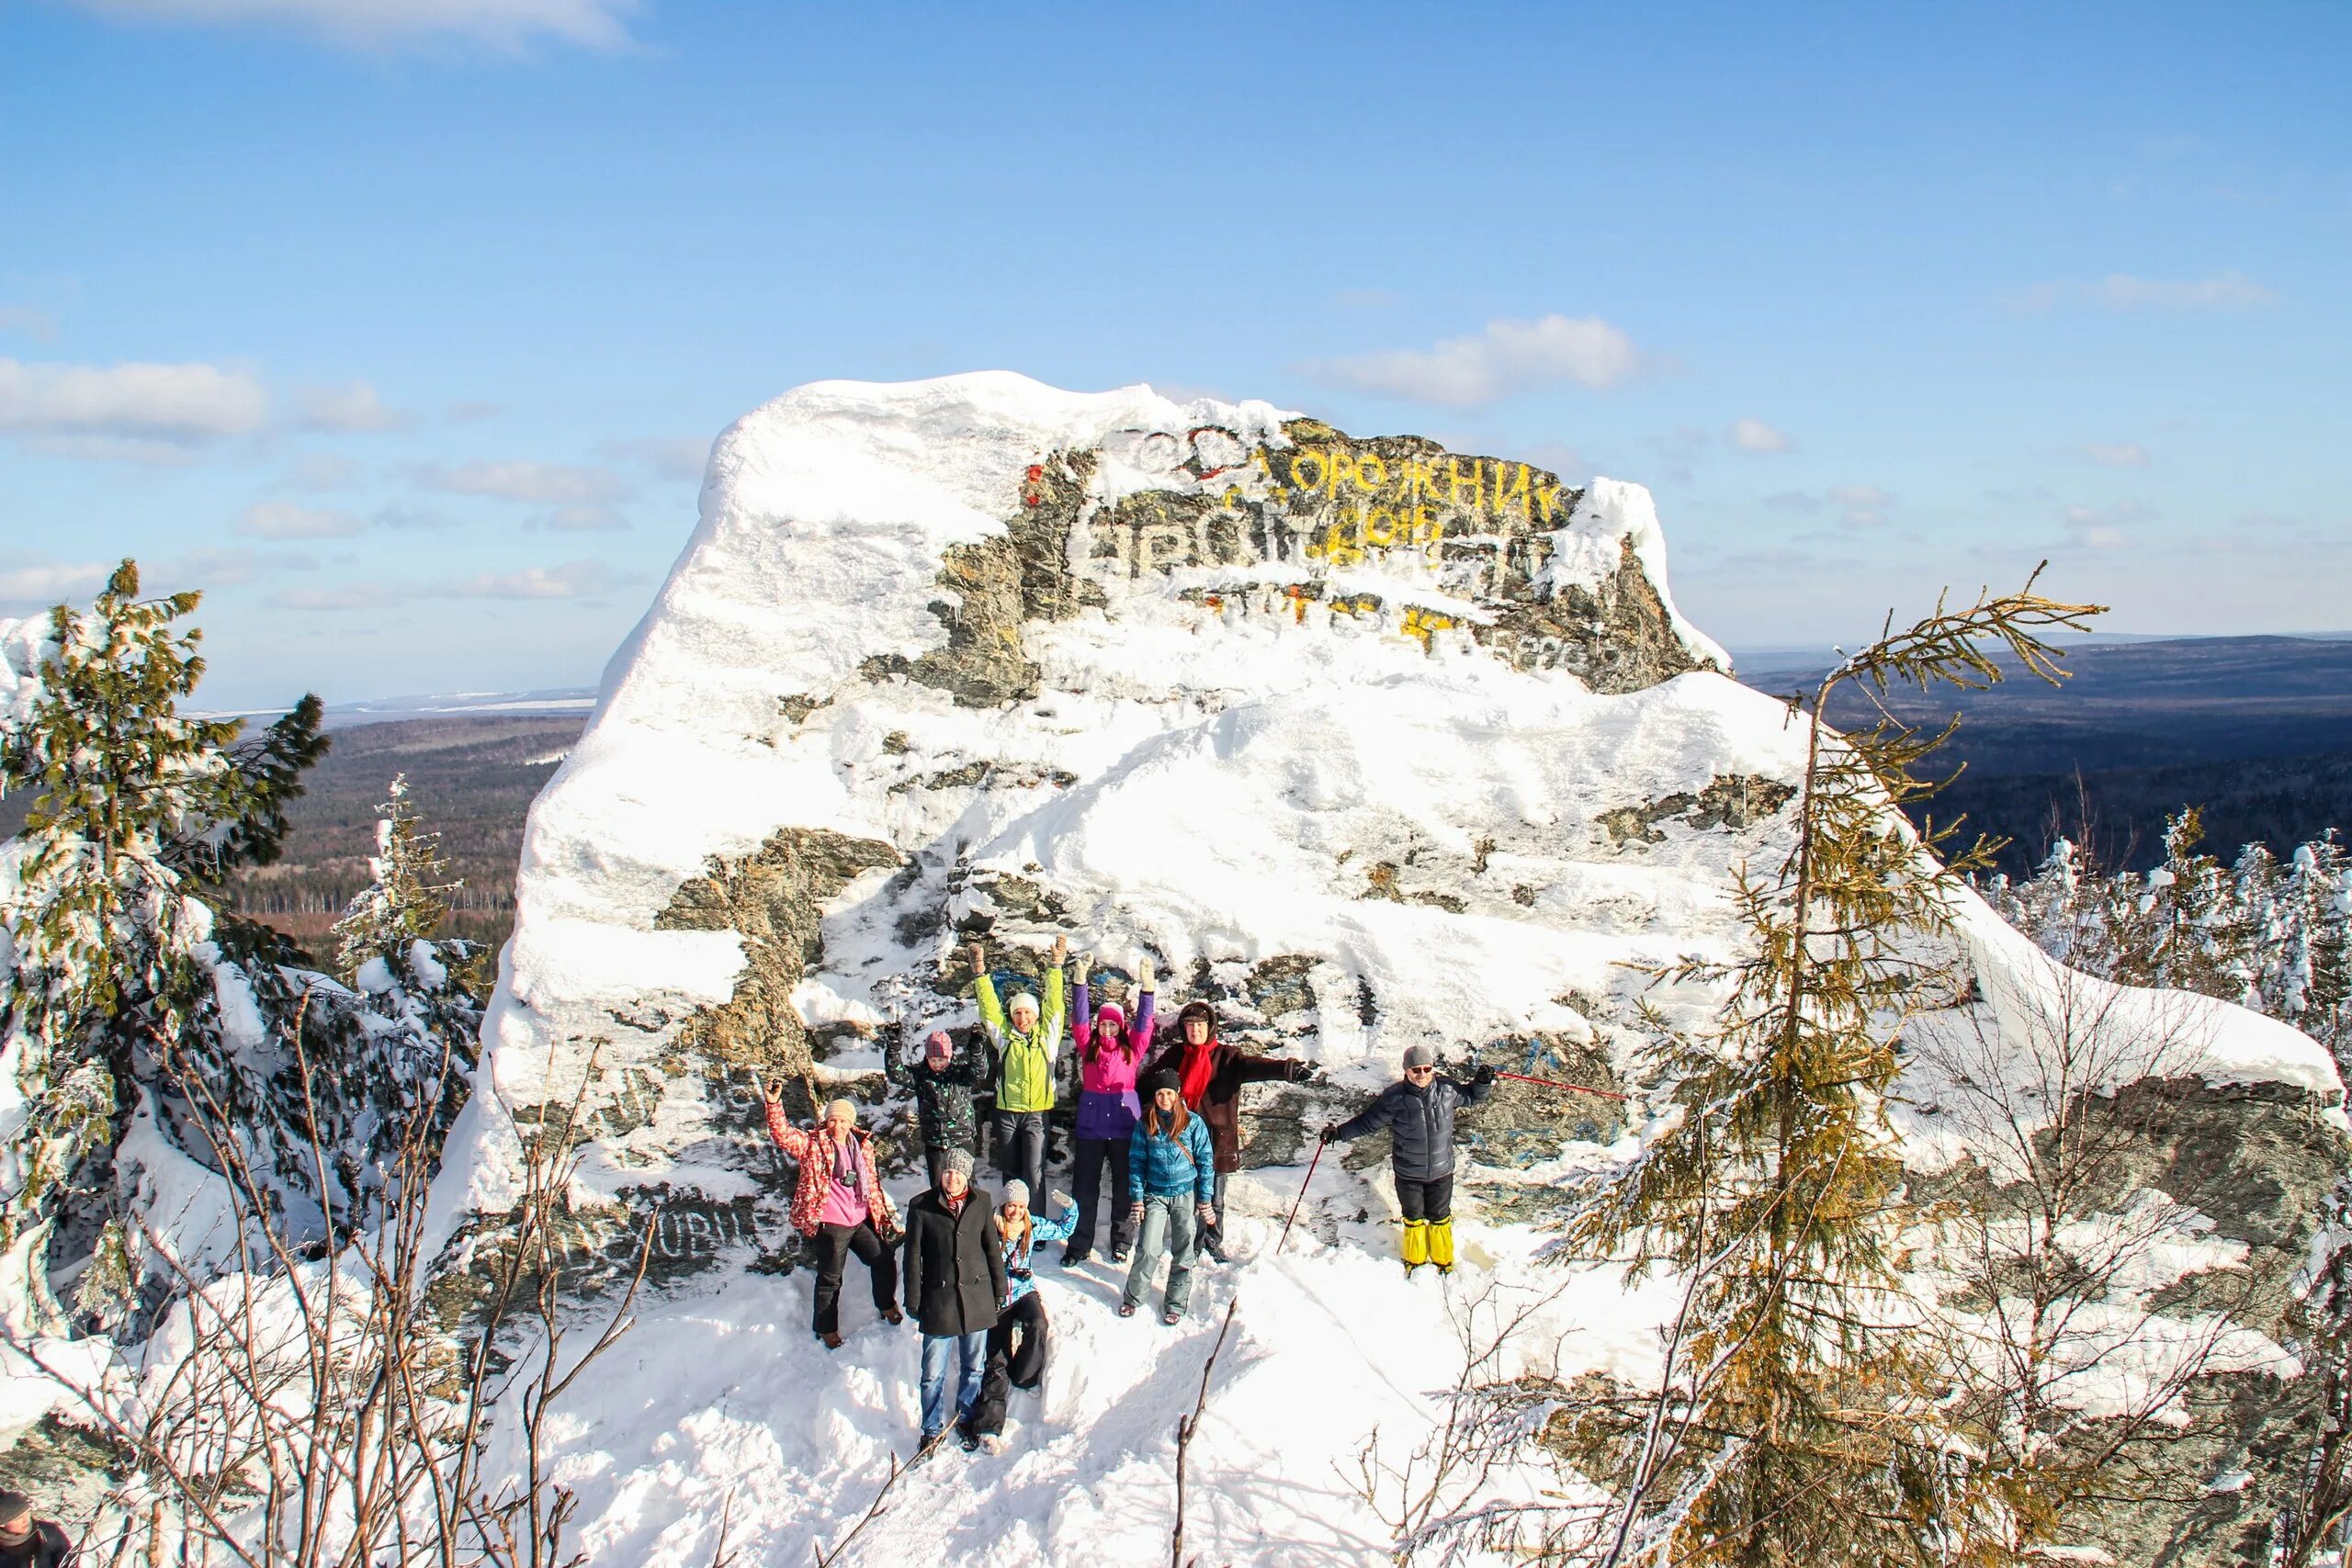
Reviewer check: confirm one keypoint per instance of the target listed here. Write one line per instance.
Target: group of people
(1162, 1117)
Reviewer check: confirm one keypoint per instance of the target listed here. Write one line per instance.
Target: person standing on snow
(955, 1280)
(1025, 1036)
(1420, 1112)
(1110, 1058)
(944, 1084)
(1210, 1073)
(1017, 1343)
(1175, 1176)
(839, 1204)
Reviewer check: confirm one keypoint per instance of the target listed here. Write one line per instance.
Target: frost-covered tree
(125, 996)
(136, 807)
(1798, 1420)
(406, 899)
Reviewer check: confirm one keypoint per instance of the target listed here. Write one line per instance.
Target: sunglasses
(1409, 1071)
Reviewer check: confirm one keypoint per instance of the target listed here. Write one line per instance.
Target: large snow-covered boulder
(1367, 743)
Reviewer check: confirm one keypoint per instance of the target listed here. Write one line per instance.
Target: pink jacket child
(1110, 1053)
(819, 1199)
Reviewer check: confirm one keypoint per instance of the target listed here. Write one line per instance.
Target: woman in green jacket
(1026, 1035)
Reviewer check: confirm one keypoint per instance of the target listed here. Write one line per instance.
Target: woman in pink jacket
(838, 1205)
(1110, 1048)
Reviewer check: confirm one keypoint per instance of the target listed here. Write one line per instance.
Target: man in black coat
(955, 1283)
(28, 1542)
(1418, 1112)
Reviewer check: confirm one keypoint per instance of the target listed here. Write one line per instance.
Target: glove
(1016, 1273)
(1331, 1131)
(1306, 1072)
(1206, 1214)
(1078, 966)
(1485, 1075)
(1143, 972)
(1135, 1215)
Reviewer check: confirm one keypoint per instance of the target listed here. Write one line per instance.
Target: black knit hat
(1159, 1080)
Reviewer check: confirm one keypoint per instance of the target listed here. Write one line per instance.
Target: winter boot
(1441, 1244)
(1416, 1244)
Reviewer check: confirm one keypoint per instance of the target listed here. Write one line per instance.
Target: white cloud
(348, 596)
(2116, 455)
(572, 579)
(1865, 505)
(285, 520)
(508, 25)
(1507, 357)
(2102, 528)
(27, 321)
(352, 406)
(2223, 291)
(582, 520)
(673, 457)
(1755, 435)
(576, 483)
(209, 566)
(322, 470)
(135, 402)
(43, 583)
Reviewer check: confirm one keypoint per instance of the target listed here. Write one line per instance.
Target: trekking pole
(1302, 1195)
(1571, 1088)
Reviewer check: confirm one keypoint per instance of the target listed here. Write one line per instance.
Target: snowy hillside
(1370, 743)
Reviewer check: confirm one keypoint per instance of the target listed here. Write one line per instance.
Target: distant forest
(2256, 730)
(472, 780)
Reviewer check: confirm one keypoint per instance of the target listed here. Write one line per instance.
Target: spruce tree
(1797, 1423)
(406, 899)
(120, 982)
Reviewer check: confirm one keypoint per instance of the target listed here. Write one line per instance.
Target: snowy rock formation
(1370, 742)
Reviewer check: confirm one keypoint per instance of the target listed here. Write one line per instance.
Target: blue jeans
(972, 1350)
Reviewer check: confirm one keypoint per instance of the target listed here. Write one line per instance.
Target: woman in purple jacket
(1110, 1049)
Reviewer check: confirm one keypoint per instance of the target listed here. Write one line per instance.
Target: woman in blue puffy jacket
(1175, 1172)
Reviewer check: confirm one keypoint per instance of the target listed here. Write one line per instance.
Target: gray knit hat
(1016, 1193)
(960, 1162)
(1419, 1056)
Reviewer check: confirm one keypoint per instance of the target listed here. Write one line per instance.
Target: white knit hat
(1020, 999)
(1016, 1193)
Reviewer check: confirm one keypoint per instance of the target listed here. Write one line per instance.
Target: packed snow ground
(720, 1405)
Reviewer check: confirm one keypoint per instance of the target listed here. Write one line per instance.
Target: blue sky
(401, 326)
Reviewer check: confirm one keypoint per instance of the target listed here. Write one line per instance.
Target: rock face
(916, 617)
(1365, 742)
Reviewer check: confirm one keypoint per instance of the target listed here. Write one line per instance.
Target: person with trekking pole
(1418, 1111)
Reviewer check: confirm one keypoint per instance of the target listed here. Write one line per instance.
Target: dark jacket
(943, 1099)
(1422, 1122)
(48, 1549)
(1221, 1106)
(954, 1267)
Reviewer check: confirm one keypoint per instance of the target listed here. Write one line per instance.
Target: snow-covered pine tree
(1797, 1422)
(121, 987)
(2314, 990)
(2180, 926)
(406, 899)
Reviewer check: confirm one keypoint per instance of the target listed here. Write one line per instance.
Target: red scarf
(1200, 1064)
